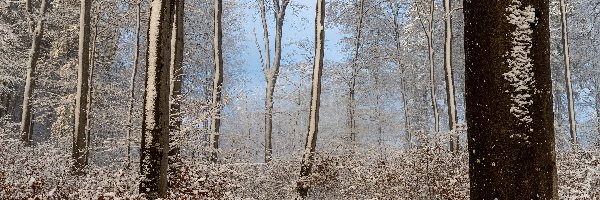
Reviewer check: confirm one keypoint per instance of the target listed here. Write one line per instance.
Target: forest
(299, 99)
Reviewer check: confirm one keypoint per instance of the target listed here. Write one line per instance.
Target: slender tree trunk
(218, 81)
(271, 72)
(136, 54)
(313, 121)
(155, 120)
(451, 101)
(91, 87)
(80, 148)
(402, 76)
(431, 51)
(509, 101)
(355, 69)
(176, 82)
(569, 82)
(34, 54)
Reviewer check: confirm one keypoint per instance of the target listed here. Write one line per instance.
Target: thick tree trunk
(218, 81)
(155, 120)
(136, 54)
(429, 33)
(509, 101)
(568, 81)
(80, 148)
(355, 70)
(451, 101)
(313, 121)
(34, 54)
(176, 82)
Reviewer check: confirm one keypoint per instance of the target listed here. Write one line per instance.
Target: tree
(176, 81)
(271, 71)
(155, 120)
(568, 81)
(509, 100)
(450, 96)
(34, 54)
(136, 55)
(313, 120)
(80, 140)
(355, 70)
(218, 80)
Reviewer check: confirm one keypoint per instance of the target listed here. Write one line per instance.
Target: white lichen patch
(519, 61)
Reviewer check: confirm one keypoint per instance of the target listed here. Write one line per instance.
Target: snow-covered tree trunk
(176, 82)
(431, 52)
(155, 121)
(218, 80)
(271, 72)
(450, 98)
(509, 100)
(80, 140)
(355, 69)
(34, 54)
(568, 81)
(136, 53)
(313, 120)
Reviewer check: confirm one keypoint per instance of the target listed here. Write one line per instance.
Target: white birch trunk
(313, 121)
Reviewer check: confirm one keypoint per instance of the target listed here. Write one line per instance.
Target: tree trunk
(271, 72)
(91, 86)
(155, 120)
(355, 70)
(451, 101)
(313, 121)
(402, 76)
(80, 148)
(568, 81)
(176, 82)
(218, 81)
(431, 51)
(132, 86)
(509, 101)
(34, 54)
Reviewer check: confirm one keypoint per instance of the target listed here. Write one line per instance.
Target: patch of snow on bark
(151, 85)
(519, 61)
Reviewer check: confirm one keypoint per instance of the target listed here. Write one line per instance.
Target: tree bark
(509, 100)
(176, 83)
(451, 100)
(355, 70)
(34, 54)
(431, 51)
(568, 81)
(91, 86)
(155, 120)
(271, 72)
(132, 81)
(218, 81)
(313, 121)
(80, 148)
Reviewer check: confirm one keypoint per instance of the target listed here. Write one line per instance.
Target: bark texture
(176, 83)
(34, 54)
(218, 81)
(313, 120)
(509, 100)
(80, 141)
(155, 120)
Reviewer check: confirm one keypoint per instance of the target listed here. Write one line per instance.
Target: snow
(519, 61)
